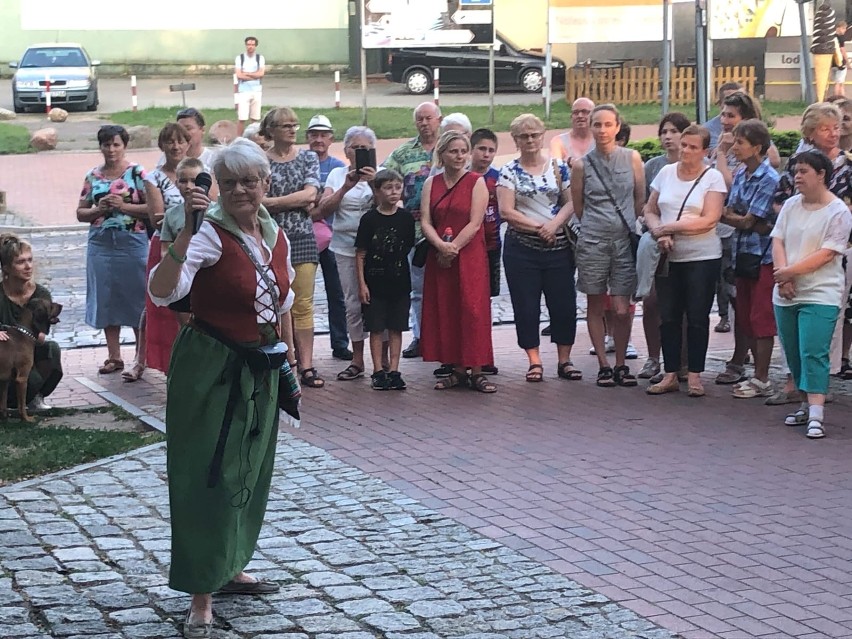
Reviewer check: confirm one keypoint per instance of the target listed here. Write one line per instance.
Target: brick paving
(86, 554)
(706, 517)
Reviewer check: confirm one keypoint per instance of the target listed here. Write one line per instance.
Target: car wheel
(418, 81)
(532, 80)
(94, 105)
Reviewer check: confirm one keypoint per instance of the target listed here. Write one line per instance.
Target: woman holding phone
(347, 196)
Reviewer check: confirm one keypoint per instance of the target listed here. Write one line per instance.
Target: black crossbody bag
(631, 233)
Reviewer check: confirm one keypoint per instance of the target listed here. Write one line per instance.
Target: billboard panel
(389, 24)
(574, 21)
(756, 18)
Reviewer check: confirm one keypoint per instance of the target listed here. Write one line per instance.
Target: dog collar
(20, 329)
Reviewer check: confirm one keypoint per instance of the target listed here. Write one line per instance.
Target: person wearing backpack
(249, 68)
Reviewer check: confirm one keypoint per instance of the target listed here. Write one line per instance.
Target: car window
(54, 57)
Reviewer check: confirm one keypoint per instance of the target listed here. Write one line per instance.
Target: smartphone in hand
(365, 158)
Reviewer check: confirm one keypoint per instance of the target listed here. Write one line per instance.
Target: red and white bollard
(436, 83)
(544, 86)
(236, 93)
(337, 89)
(47, 94)
(134, 100)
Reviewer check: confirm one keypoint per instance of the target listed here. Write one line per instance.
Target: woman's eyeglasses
(530, 136)
(231, 184)
(288, 126)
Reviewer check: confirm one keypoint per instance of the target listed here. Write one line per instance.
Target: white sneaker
(631, 352)
(38, 404)
(609, 344)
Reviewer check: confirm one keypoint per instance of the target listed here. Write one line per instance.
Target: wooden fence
(641, 85)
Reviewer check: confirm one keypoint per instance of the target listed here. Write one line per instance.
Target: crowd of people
(218, 280)
(583, 212)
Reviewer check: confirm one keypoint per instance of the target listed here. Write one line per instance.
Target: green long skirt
(215, 530)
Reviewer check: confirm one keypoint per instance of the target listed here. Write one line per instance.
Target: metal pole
(667, 58)
(548, 76)
(491, 83)
(700, 63)
(548, 70)
(809, 90)
(363, 86)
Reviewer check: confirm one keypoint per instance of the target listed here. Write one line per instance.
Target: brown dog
(17, 352)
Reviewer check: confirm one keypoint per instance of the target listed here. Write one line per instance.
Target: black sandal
(444, 370)
(605, 377)
(350, 372)
(450, 381)
(535, 373)
(479, 382)
(311, 378)
(566, 370)
(623, 376)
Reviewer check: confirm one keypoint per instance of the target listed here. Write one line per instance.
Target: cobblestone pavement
(85, 554)
(61, 266)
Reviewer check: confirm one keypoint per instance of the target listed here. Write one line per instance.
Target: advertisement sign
(756, 18)
(574, 21)
(389, 24)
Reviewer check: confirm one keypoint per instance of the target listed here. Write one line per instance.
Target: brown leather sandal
(111, 366)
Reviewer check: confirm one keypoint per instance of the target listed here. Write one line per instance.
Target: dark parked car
(73, 78)
(468, 66)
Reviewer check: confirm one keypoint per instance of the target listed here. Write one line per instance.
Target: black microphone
(203, 180)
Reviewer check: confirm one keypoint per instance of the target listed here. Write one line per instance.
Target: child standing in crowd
(385, 237)
(484, 147)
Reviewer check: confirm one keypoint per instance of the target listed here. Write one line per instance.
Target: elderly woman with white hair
(222, 395)
(347, 196)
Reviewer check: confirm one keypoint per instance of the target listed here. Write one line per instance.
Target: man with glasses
(249, 67)
(578, 140)
(574, 143)
(413, 160)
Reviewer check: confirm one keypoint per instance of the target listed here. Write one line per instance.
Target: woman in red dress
(456, 290)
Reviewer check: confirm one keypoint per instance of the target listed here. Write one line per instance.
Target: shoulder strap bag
(663, 265)
(631, 233)
(569, 230)
(422, 247)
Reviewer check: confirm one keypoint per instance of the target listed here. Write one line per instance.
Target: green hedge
(786, 141)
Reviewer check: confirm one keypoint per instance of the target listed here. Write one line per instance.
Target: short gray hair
(428, 105)
(459, 119)
(356, 131)
(252, 130)
(241, 157)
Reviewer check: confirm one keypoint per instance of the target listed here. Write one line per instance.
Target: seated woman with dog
(17, 290)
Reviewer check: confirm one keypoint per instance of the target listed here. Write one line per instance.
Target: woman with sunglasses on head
(293, 186)
(113, 203)
(736, 108)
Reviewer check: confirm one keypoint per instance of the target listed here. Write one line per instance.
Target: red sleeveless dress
(456, 325)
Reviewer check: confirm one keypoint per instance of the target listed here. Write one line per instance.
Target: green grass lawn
(28, 450)
(396, 122)
(14, 139)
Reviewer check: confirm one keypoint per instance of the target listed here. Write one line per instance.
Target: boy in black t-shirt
(385, 238)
